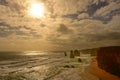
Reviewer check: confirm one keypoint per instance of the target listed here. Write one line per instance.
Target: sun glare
(37, 10)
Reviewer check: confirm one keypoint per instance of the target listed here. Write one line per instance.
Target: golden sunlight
(37, 10)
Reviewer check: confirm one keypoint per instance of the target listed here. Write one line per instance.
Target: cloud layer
(67, 24)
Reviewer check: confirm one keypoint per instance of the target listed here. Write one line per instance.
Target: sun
(37, 10)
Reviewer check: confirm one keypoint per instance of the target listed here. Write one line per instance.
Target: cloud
(20, 31)
(61, 7)
(69, 23)
(102, 10)
(107, 12)
(3, 2)
(83, 16)
(103, 36)
(64, 30)
(96, 4)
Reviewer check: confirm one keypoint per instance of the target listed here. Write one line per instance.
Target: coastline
(101, 74)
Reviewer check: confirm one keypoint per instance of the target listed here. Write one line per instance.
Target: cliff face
(108, 58)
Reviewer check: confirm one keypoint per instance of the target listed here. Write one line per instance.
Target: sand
(103, 75)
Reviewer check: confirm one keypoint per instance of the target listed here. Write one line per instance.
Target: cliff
(108, 59)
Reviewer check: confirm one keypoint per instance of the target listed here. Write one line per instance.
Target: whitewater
(33, 65)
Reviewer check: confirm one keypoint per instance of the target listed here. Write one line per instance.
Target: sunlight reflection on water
(34, 53)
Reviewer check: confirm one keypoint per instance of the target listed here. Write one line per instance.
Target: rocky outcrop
(72, 54)
(108, 58)
(76, 53)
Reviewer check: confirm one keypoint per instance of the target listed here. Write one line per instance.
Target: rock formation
(76, 53)
(108, 59)
(71, 54)
(65, 53)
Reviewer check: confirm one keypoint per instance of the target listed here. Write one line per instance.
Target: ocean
(25, 54)
(36, 65)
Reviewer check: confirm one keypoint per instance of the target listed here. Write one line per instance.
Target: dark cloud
(42, 25)
(108, 17)
(73, 16)
(3, 2)
(64, 29)
(110, 8)
(106, 13)
(7, 30)
(14, 6)
(62, 36)
(92, 8)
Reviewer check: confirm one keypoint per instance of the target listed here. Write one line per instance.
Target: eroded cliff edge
(108, 59)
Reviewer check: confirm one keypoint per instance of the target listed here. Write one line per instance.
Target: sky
(67, 24)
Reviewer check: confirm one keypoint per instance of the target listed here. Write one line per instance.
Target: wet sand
(103, 75)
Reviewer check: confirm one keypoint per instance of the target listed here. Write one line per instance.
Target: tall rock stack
(76, 53)
(109, 59)
(72, 54)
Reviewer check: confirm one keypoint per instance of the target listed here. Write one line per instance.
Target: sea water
(37, 65)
